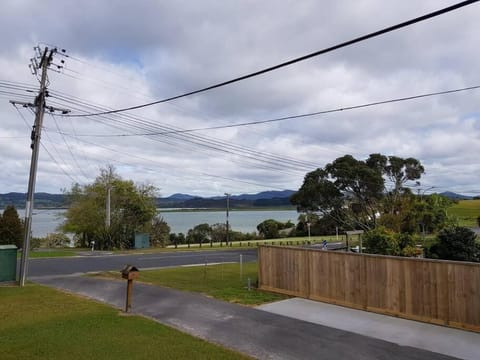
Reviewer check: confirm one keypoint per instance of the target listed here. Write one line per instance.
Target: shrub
(384, 242)
(455, 243)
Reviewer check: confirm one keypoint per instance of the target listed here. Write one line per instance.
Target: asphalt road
(82, 264)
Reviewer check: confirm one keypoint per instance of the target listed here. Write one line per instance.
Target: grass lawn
(41, 323)
(52, 253)
(219, 281)
(466, 211)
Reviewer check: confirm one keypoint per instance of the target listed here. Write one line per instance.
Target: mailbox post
(130, 273)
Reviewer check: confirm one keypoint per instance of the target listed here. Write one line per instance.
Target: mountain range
(262, 199)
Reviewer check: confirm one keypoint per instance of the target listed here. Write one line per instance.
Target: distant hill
(178, 200)
(262, 199)
(42, 200)
(455, 196)
(180, 197)
(265, 195)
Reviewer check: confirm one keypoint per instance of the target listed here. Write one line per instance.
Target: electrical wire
(117, 152)
(212, 144)
(293, 117)
(293, 61)
(69, 149)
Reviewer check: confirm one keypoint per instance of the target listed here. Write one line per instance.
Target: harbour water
(47, 221)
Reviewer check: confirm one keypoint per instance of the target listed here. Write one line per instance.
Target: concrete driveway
(448, 341)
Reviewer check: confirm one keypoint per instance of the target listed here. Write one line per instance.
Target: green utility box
(8, 263)
(142, 241)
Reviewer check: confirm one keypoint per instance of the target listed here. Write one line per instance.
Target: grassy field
(53, 253)
(466, 211)
(40, 323)
(220, 281)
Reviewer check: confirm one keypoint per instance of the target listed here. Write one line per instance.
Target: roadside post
(241, 266)
(130, 273)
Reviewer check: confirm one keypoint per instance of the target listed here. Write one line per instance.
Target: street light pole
(227, 238)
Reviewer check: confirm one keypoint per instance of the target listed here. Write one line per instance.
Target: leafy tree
(159, 232)
(177, 239)
(56, 240)
(270, 229)
(455, 243)
(385, 242)
(347, 190)
(398, 170)
(319, 225)
(352, 192)
(11, 227)
(219, 233)
(199, 234)
(132, 210)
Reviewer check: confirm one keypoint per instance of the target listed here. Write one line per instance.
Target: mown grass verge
(41, 323)
(222, 281)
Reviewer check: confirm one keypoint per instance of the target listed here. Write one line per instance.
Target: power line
(69, 149)
(293, 61)
(116, 151)
(208, 143)
(292, 117)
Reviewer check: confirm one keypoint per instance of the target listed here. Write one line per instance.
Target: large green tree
(132, 209)
(353, 193)
(11, 227)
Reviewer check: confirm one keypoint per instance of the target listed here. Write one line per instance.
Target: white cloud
(132, 53)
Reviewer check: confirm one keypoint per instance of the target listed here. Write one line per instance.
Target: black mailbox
(130, 272)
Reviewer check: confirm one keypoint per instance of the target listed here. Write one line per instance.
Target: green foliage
(384, 242)
(352, 192)
(219, 233)
(455, 243)
(270, 229)
(319, 225)
(177, 239)
(56, 240)
(132, 210)
(159, 232)
(416, 214)
(11, 227)
(199, 234)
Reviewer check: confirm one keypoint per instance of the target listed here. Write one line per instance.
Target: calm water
(46, 221)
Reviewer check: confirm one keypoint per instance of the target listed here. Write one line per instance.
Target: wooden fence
(435, 291)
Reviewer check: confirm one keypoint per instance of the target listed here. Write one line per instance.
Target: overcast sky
(125, 53)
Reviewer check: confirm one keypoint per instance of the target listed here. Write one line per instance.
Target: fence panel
(441, 292)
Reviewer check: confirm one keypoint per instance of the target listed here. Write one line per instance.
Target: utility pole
(39, 105)
(227, 239)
